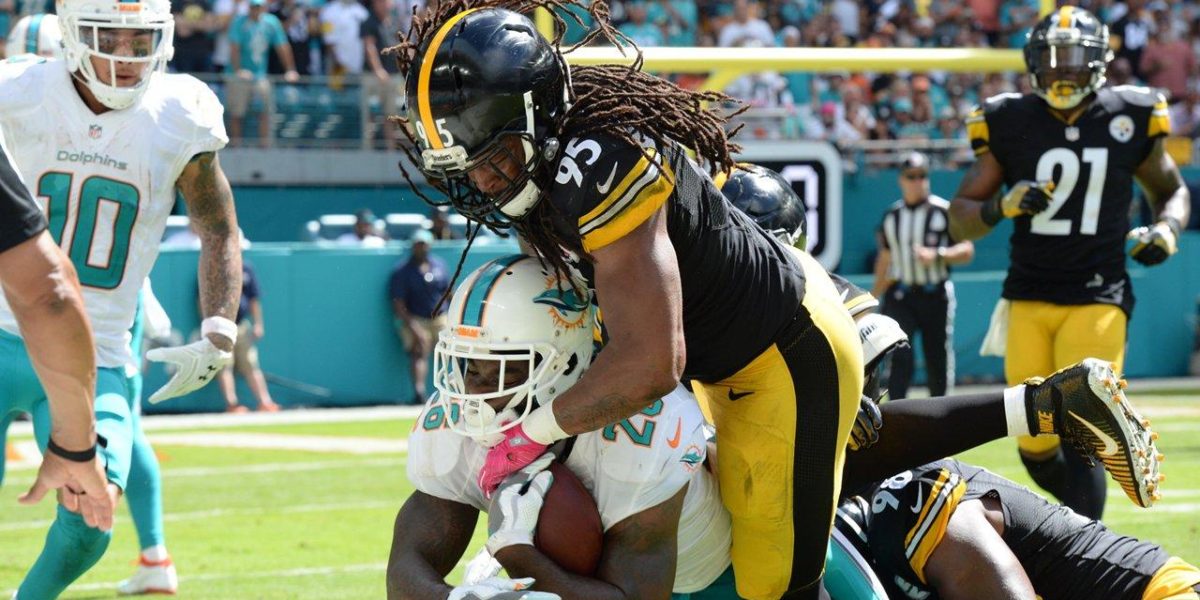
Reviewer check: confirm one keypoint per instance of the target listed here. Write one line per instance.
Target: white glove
(196, 364)
(481, 567)
(513, 512)
(499, 588)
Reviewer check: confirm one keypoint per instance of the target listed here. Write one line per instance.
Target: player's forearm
(46, 300)
(527, 561)
(410, 577)
(966, 220)
(959, 253)
(286, 57)
(1177, 206)
(209, 200)
(220, 276)
(621, 382)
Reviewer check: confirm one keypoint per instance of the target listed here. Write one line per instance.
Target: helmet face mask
(516, 337)
(104, 40)
(1067, 54)
(494, 186)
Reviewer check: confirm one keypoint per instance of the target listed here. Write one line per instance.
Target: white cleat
(151, 578)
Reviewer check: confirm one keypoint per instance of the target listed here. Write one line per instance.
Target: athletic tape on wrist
(220, 326)
(542, 427)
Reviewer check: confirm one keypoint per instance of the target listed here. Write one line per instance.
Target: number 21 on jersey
(102, 213)
(1068, 162)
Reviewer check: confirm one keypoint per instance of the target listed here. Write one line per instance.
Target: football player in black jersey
(589, 165)
(1068, 154)
(954, 531)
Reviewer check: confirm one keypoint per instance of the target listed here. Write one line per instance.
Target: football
(569, 531)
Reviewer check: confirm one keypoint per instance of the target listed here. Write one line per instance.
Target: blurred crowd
(1156, 44)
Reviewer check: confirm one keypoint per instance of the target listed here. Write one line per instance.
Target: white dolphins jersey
(107, 181)
(629, 467)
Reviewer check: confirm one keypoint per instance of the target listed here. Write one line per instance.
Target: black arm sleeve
(20, 216)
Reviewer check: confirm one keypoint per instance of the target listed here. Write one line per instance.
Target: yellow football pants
(782, 424)
(1175, 580)
(1045, 337)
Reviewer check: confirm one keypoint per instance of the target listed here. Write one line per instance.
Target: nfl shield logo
(94, 132)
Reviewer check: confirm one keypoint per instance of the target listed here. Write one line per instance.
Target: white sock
(1014, 411)
(155, 554)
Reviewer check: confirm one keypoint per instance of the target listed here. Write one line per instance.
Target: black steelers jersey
(1074, 251)
(1067, 556)
(21, 217)
(740, 286)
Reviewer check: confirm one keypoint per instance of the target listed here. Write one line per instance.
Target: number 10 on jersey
(104, 213)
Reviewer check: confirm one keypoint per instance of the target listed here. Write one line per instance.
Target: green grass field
(274, 523)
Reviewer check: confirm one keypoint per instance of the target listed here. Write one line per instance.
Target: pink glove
(508, 457)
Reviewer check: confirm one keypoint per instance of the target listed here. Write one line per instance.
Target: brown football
(569, 531)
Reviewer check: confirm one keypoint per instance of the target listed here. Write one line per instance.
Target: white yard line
(287, 417)
(285, 573)
(280, 467)
(236, 512)
(283, 441)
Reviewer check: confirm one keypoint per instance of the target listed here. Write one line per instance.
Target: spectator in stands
(746, 26)
(194, 27)
(224, 12)
(1185, 115)
(847, 15)
(379, 32)
(986, 18)
(405, 9)
(7, 10)
(251, 329)
(831, 127)
(341, 25)
(416, 288)
(366, 231)
(1017, 17)
(1130, 34)
(439, 224)
(1120, 72)
(679, 19)
(251, 37)
(856, 112)
(638, 28)
(906, 125)
(302, 27)
(1167, 60)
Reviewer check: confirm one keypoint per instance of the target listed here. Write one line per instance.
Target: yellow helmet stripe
(431, 129)
(1064, 16)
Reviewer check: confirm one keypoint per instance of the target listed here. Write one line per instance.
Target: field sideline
(301, 504)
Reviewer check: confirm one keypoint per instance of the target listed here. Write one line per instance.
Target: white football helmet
(88, 31)
(35, 34)
(879, 335)
(510, 311)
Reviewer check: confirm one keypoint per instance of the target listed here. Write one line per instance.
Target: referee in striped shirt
(912, 277)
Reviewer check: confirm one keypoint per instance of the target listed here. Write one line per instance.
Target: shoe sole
(1136, 465)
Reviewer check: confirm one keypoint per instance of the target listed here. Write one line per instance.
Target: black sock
(919, 431)
(1084, 487)
(1050, 474)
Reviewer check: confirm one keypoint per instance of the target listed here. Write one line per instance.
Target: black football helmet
(769, 199)
(1067, 54)
(485, 93)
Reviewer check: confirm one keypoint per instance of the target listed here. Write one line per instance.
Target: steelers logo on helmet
(767, 198)
(488, 89)
(1067, 54)
(515, 339)
(116, 46)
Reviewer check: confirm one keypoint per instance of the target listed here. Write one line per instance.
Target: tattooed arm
(210, 207)
(429, 537)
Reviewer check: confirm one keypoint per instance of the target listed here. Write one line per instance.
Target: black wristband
(80, 456)
(991, 212)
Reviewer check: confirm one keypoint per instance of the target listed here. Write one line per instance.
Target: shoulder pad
(190, 111)
(1137, 95)
(23, 81)
(440, 461)
(607, 186)
(1000, 102)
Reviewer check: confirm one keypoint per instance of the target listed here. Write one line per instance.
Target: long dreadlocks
(619, 100)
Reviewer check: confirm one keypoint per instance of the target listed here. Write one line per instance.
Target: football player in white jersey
(35, 34)
(517, 337)
(105, 138)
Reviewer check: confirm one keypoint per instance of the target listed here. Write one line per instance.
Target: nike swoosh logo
(1110, 445)
(917, 507)
(674, 442)
(738, 395)
(604, 187)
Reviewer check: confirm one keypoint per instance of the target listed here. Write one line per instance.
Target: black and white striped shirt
(925, 224)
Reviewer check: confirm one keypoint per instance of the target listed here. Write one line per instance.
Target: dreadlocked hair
(618, 100)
